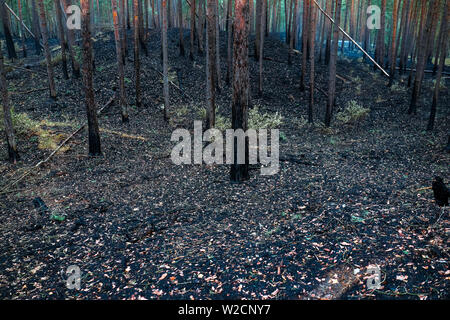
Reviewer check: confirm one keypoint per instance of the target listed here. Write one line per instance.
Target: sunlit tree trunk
(120, 67)
(239, 113)
(48, 57)
(93, 129)
(7, 121)
(332, 70)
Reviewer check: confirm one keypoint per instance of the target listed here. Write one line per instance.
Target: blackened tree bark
(9, 130)
(48, 56)
(305, 36)
(124, 37)
(312, 36)
(423, 46)
(22, 33)
(293, 33)
(120, 67)
(211, 64)
(137, 63)
(71, 43)
(239, 172)
(393, 62)
(443, 46)
(191, 49)
(35, 27)
(62, 39)
(93, 130)
(261, 25)
(7, 31)
(332, 72)
(258, 15)
(180, 21)
(229, 28)
(165, 59)
(217, 44)
(200, 26)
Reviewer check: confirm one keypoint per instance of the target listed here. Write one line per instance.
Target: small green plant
(396, 87)
(353, 113)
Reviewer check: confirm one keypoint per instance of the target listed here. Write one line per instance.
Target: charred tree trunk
(165, 59)
(123, 33)
(71, 43)
(120, 67)
(35, 27)
(180, 21)
(137, 63)
(191, 49)
(48, 57)
(423, 46)
(258, 15)
(200, 27)
(312, 36)
(261, 43)
(217, 44)
(229, 41)
(443, 45)
(239, 114)
(7, 31)
(210, 64)
(62, 40)
(293, 33)
(13, 154)
(393, 43)
(94, 132)
(22, 34)
(305, 36)
(332, 72)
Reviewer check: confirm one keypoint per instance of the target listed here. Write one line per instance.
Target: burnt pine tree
(293, 33)
(123, 32)
(120, 67)
(393, 43)
(62, 40)
(7, 31)
(332, 65)
(229, 30)
(22, 33)
(35, 28)
(261, 26)
(443, 47)
(312, 36)
(191, 49)
(165, 59)
(305, 36)
(9, 130)
(217, 44)
(258, 9)
(93, 130)
(48, 56)
(71, 42)
(137, 65)
(180, 22)
(211, 64)
(239, 112)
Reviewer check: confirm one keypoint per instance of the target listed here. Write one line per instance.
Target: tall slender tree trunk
(211, 64)
(11, 144)
(261, 25)
(258, 14)
(71, 43)
(200, 26)
(191, 49)
(137, 64)
(35, 28)
(423, 46)
(48, 57)
(120, 66)
(4, 15)
(165, 59)
(312, 36)
(217, 44)
(393, 62)
(443, 46)
(93, 129)
(332, 63)
(229, 41)
(22, 34)
(293, 33)
(305, 36)
(180, 21)
(62, 40)
(239, 113)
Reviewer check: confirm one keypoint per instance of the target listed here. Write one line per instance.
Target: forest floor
(139, 226)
